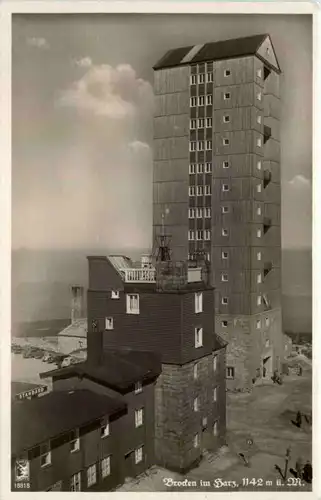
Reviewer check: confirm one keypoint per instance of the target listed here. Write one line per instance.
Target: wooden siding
(170, 192)
(172, 104)
(240, 95)
(171, 80)
(274, 168)
(171, 126)
(241, 142)
(243, 118)
(272, 84)
(171, 148)
(102, 275)
(274, 125)
(177, 214)
(170, 170)
(239, 189)
(272, 106)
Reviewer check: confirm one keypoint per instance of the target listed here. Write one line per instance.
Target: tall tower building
(217, 178)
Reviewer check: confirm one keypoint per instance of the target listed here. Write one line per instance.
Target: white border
(55, 7)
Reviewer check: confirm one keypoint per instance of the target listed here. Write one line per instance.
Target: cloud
(38, 42)
(300, 181)
(106, 91)
(84, 62)
(138, 146)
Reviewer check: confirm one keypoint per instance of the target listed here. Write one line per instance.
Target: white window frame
(200, 123)
(215, 428)
(199, 190)
(74, 443)
(226, 164)
(209, 145)
(258, 324)
(259, 210)
(259, 119)
(198, 334)
(224, 323)
(267, 321)
(198, 302)
(192, 146)
(224, 277)
(130, 309)
(193, 102)
(226, 142)
(199, 235)
(259, 73)
(259, 96)
(225, 231)
(105, 466)
(226, 118)
(196, 405)
(200, 168)
(232, 376)
(259, 142)
(195, 371)
(193, 79)
(207, 190)
(45, 454)
(225, 188)
(196, 440)
(201, 101)
(227, 72)
(105, 429)
(215, 395)
(199, 213)
(109, 323)
(207, 234)
(207, 212)
(227, 96)
(191, 191)
(191, 168)
(115, 294)
(201, 78)
(259, 300)
(209, 77)
(209, 100)
(259, 278)
(200, 145)
(75, 482)
(224, 255)
(91, 475)
(209, 122)
(139, 417)
(259, 188)
(259, 165)
(193, 124)
(225, 209)
(208, 167)
(191, 213)
(215, 364)
(259, 256)
(139, 454)
(259, 233)
(267, 343)
(224, 301)
(191, 235)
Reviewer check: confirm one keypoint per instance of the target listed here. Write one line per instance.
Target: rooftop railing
(139, 275)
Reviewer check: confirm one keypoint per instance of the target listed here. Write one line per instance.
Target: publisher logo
(22, 471)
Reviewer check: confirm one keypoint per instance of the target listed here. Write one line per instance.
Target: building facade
(168, 310)
(217, 179)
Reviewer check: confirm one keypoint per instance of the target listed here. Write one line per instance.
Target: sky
(82, 122)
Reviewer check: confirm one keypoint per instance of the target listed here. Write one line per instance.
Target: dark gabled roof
(227, 49)
(118, 369)
(38, 420)
(219, 343)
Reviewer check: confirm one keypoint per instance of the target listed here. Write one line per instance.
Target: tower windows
(199, 213)
(208, 167)
(226, 141)
(192, 146)
(224, 255)
(208, 145)
(198, 337)
(225, 209)
(230, 372)
(258, 255)
(192, 168)
(201, 100)
(225, 187)
(215, 394)
(207, 234)
(191, 190)
(199, 235)
(227, 72)
(200, 168)
(191, 235)
(196, 404)
(207, 190)
(199, 190)
(193, 102)
(214, 364)
(224, 301)
(209, 77)
(227, 95)
(200, 146)
(132, 303)
(209, 100)
(259, 73)
(259, 142)
(259, 233)
(259, 210)
(259, 278)
(192, 124)
(259, 96)
(259, 300)
(209, 122)
(224, 232)
(215, 428)
(226, 164)
(207, 213)
(259, 119)
(191, 213)
(201, 78)
(196, 441)
(259, 165)
(195, 371)
(200, 123)
(226, 119)
(224, 277)
(258, 324)
(109, 324)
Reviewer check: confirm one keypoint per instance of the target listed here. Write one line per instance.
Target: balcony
(266, 224)
(267, 178)
(266, 302)
(267, 133)
(139, 275)
(267, 268)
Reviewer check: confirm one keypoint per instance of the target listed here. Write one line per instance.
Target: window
(259, 165)
(74, 441)
(258, 324)
(199, 190)
(201, 78)
(224, 232)
(259, 211)
(132, 303)
(192, 146)
(207, 213)
(208, 168)
(191, 235)
(196, 441)
(91, 475)
(259, 119)
(226, 119)
(109, 323)
(259, 142)
(198, 337)
(259, 300)
(209, 100)
(214, 363)
(259, 73)
(199, 235)
(224, 277)
(104, 429)
(204, 422)
(209, 77)
(215, 428)
(191, 191)
(224, 301)
(225, 210)
(198, 302)
(227, 95)
(115, 294)
(199, 213)
(105, 467)
(193, 102)
(215, 394)
(230, 372)
(138, 455)
(192, 124)
(226, 164)
(224, 323)
(224, 255)
(139, 417)
(267, 343)
(208, 145)
(200, 145)
(259, 96)
(200, 123)
(259, 233)
(267, 321)
(207, 235)
(259, 278)
(226, 142)
(208, 256)
(207, 190)
(209, 122)
(200, 168)
(259, 188)
(195, 371)
(258, 255)
(75, 482)
(45, 454)
(227, 72)
(192, 168)
(196, 404)
(191, 213)
(225, 187)
(201, 100)
(138, 387)
(192, 79)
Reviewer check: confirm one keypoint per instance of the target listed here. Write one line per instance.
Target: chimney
(77, 302)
